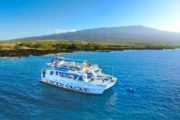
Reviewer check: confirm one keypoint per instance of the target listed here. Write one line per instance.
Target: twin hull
(74, 85)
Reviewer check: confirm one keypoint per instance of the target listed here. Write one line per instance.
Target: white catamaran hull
(74, 85)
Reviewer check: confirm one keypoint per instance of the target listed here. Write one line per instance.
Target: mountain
(127, 34)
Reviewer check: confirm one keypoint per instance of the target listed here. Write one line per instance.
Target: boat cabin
(67, 75)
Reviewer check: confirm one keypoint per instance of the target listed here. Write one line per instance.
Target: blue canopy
(75, 60)
(71, 59)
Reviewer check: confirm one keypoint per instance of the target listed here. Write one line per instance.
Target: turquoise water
(155, 74)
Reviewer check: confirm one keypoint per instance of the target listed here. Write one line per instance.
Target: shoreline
(29, 52)
(39, 48)
(34, 52)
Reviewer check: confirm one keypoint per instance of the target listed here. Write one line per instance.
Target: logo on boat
(68, 86)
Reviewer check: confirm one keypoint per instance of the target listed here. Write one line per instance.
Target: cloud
(64, 30)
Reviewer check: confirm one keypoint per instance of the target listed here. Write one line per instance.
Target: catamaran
(77, 75)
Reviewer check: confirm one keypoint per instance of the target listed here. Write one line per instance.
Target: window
(66, 75)
(56, 73)
(80, 78)
(52, 72)
(63, 75)
(71, 76)
(60, 74)
(75, 76)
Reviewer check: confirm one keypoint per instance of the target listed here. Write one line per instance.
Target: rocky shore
(29, 52)
(38, 48)
(34, 52)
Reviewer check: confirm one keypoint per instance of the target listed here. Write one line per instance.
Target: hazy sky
(22, 18)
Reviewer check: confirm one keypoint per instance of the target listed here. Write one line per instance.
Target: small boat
(77, 75)
(131, 90)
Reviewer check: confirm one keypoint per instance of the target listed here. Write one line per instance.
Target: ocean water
(155, 74)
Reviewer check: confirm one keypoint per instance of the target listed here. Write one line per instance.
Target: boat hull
(73, 85)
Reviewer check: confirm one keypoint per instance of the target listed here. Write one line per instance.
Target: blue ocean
(154, 74)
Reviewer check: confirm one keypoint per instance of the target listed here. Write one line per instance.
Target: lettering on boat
(68, 86)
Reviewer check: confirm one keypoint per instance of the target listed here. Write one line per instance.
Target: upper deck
(68, 64)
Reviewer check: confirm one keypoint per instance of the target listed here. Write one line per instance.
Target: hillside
(98, 39)
(117, 35)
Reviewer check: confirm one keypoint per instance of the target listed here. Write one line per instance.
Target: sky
(23, 18)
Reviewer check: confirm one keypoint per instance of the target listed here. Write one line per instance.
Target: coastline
(34, 52)
(38, 48)
(29, 52)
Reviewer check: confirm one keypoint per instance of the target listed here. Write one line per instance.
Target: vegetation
(51, 45)
(27, 48)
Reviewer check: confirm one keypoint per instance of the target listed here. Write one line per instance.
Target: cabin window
(75, 76)
(80, 78)
(66, 75)
(71, 76)
(63, 75)
(73, 69)
(60, 74)
(56, 73)
(52, 72)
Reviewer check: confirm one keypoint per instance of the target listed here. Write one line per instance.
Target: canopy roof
(71, 59)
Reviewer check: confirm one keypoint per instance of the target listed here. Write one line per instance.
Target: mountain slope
(128, 34)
